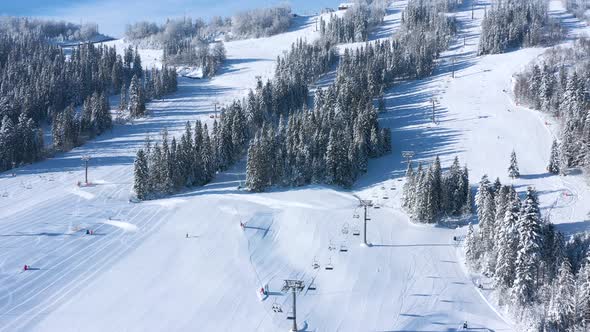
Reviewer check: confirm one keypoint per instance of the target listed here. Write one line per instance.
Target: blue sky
(112, 15)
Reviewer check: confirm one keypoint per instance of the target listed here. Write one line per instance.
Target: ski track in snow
(153, 278)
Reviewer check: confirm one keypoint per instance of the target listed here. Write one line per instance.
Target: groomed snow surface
(140, 272)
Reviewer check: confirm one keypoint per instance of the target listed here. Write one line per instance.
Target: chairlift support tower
(365, 203)
(294, 286)
(86, 159)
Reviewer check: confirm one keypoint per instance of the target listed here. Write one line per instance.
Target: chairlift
(376, 206)
(392, 188)
(290, 315)
(311, 286)
(329, 266)
(276, 307)
(356, 232)
(385, 197)
(345, 228)
(343, 247)
(356, 216)
(331, 246)
(315, 264)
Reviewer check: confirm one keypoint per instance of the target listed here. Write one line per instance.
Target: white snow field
(140, 271)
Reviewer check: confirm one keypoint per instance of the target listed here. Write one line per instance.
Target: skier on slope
(465, 324)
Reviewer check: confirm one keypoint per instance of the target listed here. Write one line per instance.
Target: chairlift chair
(385, 197)
(311, 286)
(343, 247)
(376, 206)
(356, 216)
(329, 266)
(356, 232)
(315, 264)
(345, 228)
(331, 246)
(276, 307)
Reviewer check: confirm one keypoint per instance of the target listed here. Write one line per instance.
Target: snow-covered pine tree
(141, 175)
(409, 192)
(507, 240)
(554, 160)
(525, 288)
(513, 171)
(136, 101)
(483, 190)
(207, 156)
(562, 308)
(582, 313)
(472, 249)
(255, 177)
(487, 229)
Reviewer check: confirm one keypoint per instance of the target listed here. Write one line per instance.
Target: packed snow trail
(44, 215)
(155, 278)
(478, 121)
(409, 280)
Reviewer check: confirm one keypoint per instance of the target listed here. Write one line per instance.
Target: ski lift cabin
(345, 5)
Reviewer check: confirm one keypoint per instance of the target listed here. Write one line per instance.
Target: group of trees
(69, 128)
(54, 31)
(329, 144)
(183, 41)
(20, 142)
(164, 168)
(196, 43)
(38, 82)
(289, 144)
(516, 23)
(355, 24)
(532, 267)
(261, 22)
(195, 53)
(558, 87)
(253, 23)
(152, 35)
(578, 7)
(432, 193)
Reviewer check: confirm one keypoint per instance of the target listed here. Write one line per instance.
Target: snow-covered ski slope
(477, 120)
(139, 272)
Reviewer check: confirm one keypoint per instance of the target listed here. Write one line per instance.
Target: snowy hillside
(184, 263)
